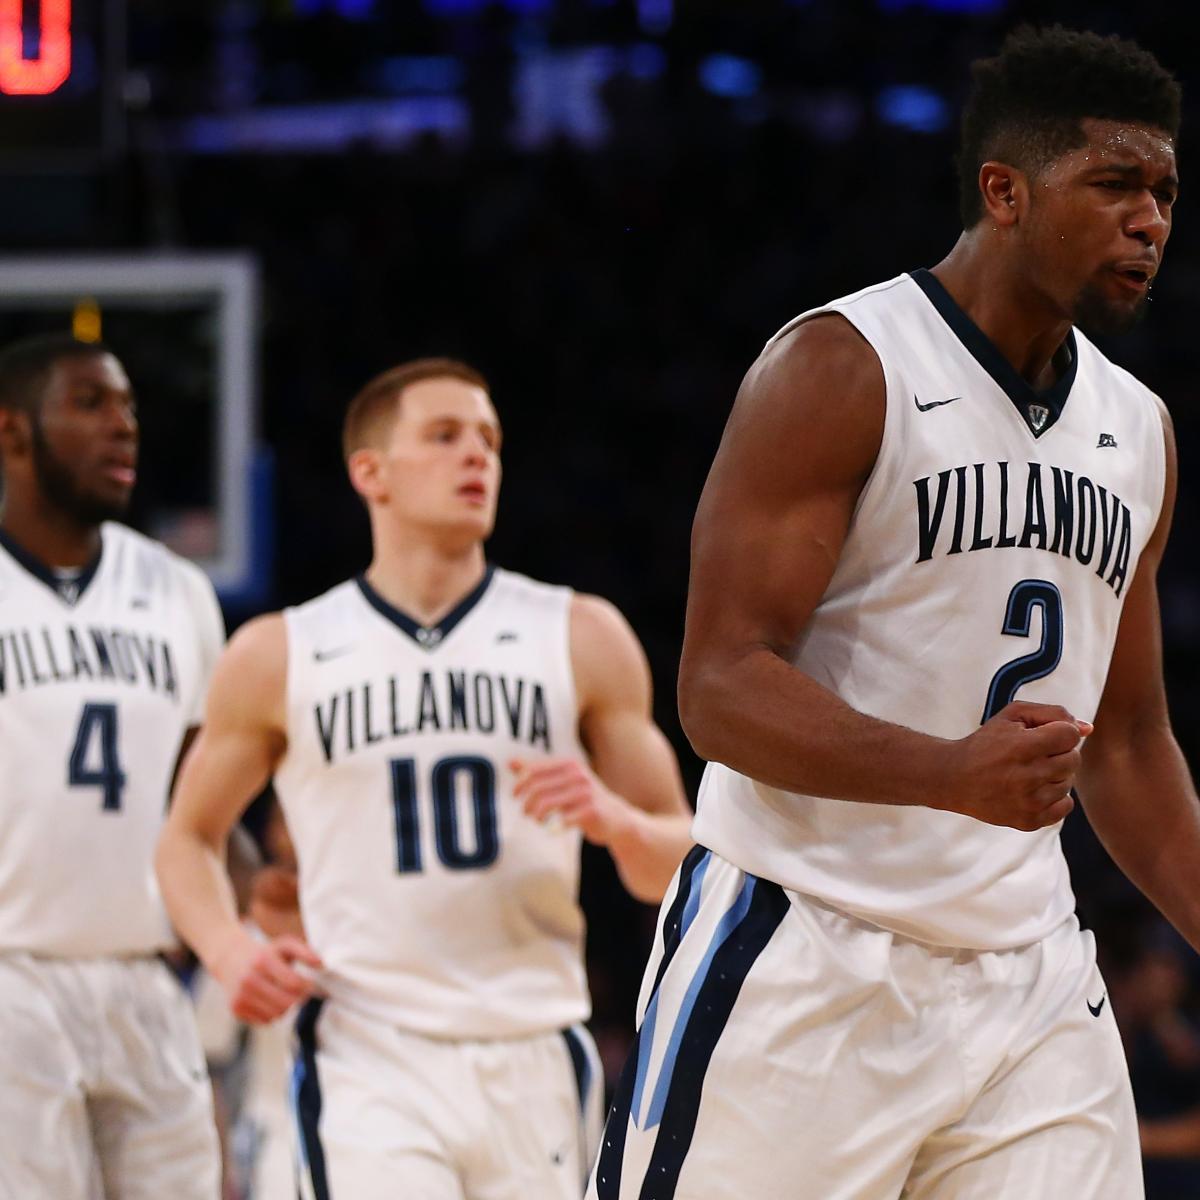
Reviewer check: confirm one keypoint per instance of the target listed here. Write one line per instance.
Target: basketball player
(107, 640)
(922, 609)
(441, 733)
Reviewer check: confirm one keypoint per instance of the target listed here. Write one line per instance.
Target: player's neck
(50, 535)
(1022, 324)
(426, 581)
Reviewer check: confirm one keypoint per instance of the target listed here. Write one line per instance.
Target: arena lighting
(22, 76)
(950, 6)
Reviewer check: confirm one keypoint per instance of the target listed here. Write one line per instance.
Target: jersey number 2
(1022, 600)
(480, 777)
(94, 761)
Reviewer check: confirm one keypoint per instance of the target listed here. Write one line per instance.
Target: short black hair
(25, 366)
(1027, 105)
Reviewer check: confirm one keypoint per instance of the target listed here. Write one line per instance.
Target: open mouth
(123, 473)
(1135, 277)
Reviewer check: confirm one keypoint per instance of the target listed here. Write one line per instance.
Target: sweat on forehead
(1121, 139)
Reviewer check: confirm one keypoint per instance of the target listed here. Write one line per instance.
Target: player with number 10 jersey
(423, 918)
(442, 735)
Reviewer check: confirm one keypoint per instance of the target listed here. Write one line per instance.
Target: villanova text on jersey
(436, 902)
(1027, 506)
(34, 656)
(472, 702)
(987, 559)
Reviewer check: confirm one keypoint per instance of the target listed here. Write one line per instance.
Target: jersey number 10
(480, 778)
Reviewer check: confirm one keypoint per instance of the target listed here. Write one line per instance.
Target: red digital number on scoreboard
(21, 76)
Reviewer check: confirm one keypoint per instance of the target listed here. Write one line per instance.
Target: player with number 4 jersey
(442, 734)
(107, 641)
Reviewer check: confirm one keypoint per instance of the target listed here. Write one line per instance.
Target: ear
(16, 434)
(1005, 192)
(366, 473)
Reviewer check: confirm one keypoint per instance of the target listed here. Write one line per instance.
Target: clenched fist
(1018, 768)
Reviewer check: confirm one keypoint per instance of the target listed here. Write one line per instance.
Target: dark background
(608, 207)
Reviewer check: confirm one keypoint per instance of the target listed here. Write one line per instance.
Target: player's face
(1099, 220)
(443, 458)
(85, 438)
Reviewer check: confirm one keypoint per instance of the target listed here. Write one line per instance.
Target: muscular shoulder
(1170, 481)
(816, 398)
(826, 345)
(606, 656)
(250, 682)
(1163, 415)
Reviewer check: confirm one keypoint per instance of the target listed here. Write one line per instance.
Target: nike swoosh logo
(1097, 1009)
(933, 403)
(325, 655)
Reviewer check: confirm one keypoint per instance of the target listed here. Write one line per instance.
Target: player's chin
(1101, 314)
(105, 503)
(474, 522)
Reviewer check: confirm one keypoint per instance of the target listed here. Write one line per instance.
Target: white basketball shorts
(381, 1113)
(787, 1051)
(103, 1087)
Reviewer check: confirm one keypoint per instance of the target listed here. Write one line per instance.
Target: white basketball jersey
(987, 559)
(100, 677)
(435, 903)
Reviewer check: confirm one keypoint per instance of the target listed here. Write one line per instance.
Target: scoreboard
(60, 67)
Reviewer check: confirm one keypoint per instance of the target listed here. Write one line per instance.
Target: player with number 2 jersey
(922, 619)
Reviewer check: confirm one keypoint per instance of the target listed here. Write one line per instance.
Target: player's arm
(799, 446)
(235, 754)
(1174, 1136)
(241, 854)
(632, 800)
(243, 862)
(1134, 783)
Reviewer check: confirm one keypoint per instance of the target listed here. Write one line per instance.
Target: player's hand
(565, 788)
(275, 901)
(260, 979)
(1018, 768)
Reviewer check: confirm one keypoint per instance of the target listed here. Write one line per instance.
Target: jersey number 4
(478, 778)
(94, 761)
